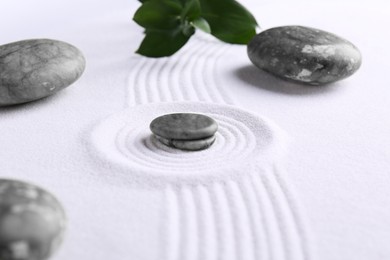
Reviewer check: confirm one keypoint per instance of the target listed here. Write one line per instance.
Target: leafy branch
(169, 24)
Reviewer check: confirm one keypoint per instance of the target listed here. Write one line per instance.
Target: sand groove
(248, 219)
(227, 202)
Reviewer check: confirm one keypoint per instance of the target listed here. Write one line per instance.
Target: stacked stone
(185, 131)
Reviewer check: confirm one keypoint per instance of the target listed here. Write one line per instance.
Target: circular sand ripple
(126, 143)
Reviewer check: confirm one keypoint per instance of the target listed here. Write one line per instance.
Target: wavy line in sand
(206, 223)
(220, 221)
(183, 79)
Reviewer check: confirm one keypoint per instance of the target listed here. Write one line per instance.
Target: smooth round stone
(33, 69)
(304, 55)
(189, 145)
(32, 222)
(184, 126)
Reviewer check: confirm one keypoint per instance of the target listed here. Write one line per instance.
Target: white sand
(338, 161)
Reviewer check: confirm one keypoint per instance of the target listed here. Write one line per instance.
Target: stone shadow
(256, 77)
(32, 104)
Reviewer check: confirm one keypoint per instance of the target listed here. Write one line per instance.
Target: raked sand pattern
(186, 76)
(254, 218)
(243, 142)
(228, 202)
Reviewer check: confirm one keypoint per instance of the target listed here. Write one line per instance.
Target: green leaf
(191, 10)
(202, 24)
(229, 21)
(158, 14)
(169, 24)
(162, 43)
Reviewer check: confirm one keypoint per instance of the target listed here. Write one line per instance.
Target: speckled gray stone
(33, 69)
(184, 126)
(189, 145)
(304, 54)
(32, 222)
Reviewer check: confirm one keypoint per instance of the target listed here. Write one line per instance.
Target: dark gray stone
(32, 222)
(304, 54)
(189, 145)
(184, 126)
(33, 69)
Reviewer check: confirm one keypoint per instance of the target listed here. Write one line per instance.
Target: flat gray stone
(184, 126)
(33, 69)
(32, 222)
(304, 55)
(189, 145)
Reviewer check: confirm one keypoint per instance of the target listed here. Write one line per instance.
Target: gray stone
(304, 55)
(32, 222)
(33, 69)
(189, 145)
(184, 126)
